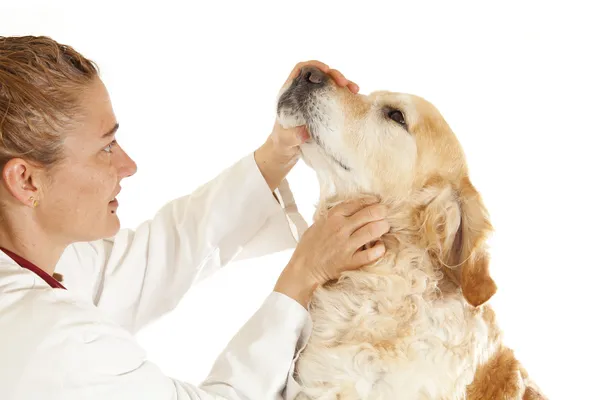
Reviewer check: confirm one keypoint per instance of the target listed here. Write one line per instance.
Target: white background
(194, 86)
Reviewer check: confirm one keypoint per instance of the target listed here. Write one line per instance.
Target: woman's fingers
(367, 256)
(350, 207)
(337, 76)
(368, 233)
(371, 213)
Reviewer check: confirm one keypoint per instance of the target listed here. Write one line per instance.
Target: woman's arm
(85, 356)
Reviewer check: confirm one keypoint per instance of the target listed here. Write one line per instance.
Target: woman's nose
(128, 167)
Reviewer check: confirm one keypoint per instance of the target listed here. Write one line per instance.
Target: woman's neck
(32, 244)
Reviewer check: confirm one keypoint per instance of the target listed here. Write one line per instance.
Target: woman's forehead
(97, 120)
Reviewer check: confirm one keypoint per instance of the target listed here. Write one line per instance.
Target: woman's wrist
(295, 283)
(273, 166)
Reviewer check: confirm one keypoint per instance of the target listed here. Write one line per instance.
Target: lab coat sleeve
(140, 274)
(95, 359)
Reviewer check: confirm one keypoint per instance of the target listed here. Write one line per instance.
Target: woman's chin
(113, 225)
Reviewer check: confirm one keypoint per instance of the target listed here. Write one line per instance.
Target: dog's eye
(397, 116)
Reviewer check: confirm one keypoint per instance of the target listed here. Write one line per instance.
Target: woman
(61, 173)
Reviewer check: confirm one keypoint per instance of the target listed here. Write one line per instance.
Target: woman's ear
(20, 178)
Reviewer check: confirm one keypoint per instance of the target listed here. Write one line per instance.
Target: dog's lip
(310, 137)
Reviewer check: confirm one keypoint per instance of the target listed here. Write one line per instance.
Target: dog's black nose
(312, 75)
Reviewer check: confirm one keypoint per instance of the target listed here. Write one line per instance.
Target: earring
(35, 202)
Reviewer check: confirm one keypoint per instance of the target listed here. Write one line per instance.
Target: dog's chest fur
(392, 331)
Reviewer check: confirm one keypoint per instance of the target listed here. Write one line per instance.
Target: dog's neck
(401, 207)
(407, 237)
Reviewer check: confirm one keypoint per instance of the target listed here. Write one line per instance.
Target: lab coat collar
(33, 268)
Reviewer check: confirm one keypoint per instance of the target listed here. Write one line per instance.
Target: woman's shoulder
(33, 313)
(25, 298)
(53, 334)
(28, 303)
(79, 267)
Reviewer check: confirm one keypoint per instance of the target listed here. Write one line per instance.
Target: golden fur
(415, 324)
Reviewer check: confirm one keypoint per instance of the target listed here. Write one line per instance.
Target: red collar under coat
(33, 268)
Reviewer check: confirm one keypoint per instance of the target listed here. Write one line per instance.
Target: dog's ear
(469, 250)
(456, 226)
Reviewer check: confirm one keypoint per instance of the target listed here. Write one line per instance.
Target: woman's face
(77, 201)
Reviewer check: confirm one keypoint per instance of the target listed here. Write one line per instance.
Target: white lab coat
(78, 343)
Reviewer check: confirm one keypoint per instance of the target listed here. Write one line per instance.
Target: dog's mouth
(300, 104)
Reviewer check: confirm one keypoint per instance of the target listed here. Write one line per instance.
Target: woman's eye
(397, 116)
(108, 148)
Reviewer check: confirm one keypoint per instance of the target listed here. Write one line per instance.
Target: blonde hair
(41, 83)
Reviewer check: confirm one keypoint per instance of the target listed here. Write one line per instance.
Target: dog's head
(399, 147)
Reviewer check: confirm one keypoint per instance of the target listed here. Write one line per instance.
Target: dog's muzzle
(296, 98)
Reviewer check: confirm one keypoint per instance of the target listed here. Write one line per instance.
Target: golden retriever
(415, 324)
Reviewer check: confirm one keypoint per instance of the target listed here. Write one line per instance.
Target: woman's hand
(276, 157)
(333, 245)
(337, 76)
